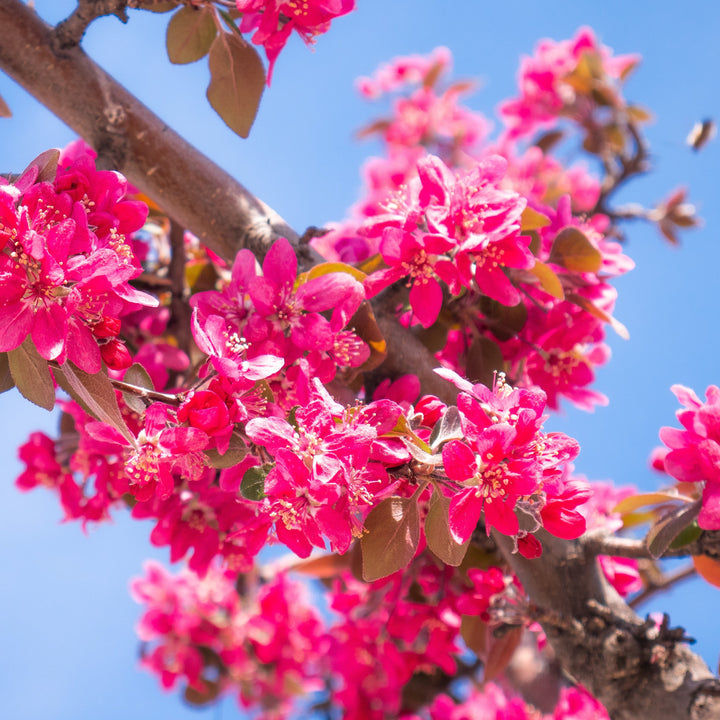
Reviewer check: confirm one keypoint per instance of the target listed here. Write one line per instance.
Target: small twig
(70, 31)
(600, 544)
(145, 393)
(632, 165)
(666, 582)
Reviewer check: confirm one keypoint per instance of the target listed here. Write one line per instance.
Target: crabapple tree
(371, 395)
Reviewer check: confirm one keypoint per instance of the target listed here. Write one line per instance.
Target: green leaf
(5, 109)
(437, 531)
(95, 394)
(190, 34)
(6, 379)
(574, 251)
(252, 486)
(669, 526)
(237, 81)
(391, 537)
(690, 534)
(32, 375)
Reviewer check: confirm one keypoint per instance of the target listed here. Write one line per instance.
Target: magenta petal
(312, 332)
(271, 432)
(501, 515)
(465, 510)
(709, 517)
(15, 323)
(280, 265)
(426, 300)
(326, 291)
(183, 439)
(82, 348)
(49, 331)
(459, 461)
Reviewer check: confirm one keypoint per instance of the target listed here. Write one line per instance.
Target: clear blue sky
(66, 618)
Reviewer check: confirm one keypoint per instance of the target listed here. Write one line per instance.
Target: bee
(701, 134)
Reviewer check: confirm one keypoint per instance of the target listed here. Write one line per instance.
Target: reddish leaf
(500, 651)
(95, 394)
(572, 250)
(391, 537)
(203, 697)
(46, 163)
(161, 6)
(474, 633)
(669, 526)
(437, 532)
(484, 359)
(31, 375)
(6, 379)
(323, 567)
(367, 329)
(4, 109)
(595, 311)
(237, 81)
(190, 34)
(137, 375)
(708, 569)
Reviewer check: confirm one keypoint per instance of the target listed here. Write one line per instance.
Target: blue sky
(66, 618)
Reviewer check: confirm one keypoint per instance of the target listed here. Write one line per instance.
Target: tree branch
(635, 669)
(708, 543)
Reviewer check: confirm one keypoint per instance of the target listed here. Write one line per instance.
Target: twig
(70, 31)
(665, 583)
(145, 393)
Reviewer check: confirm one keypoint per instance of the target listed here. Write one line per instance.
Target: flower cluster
(492, 701)
(496, 235)
(505, 464)
(200, 633)
(272, 21)
(260, 324)
(66, 259)
(694, 451)
(568, 78)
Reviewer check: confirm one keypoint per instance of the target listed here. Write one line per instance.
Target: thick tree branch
(635, 669)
